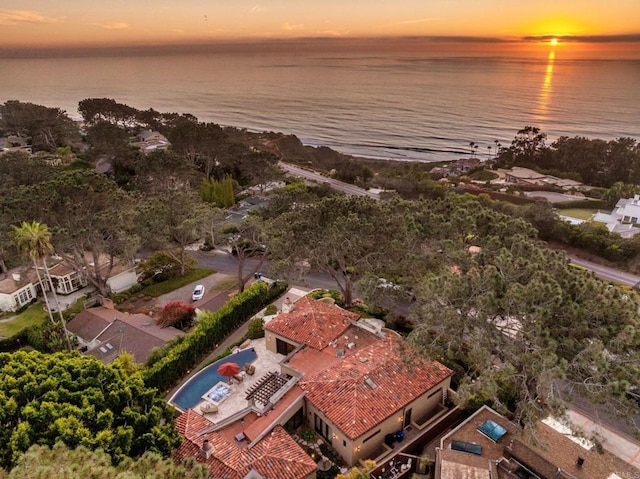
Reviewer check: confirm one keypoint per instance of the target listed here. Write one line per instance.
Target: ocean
(393, 105)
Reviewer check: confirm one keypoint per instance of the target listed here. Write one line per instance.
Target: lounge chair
(238, 377)
(208, 408)
(250, 369)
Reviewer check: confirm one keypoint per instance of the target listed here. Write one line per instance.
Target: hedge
(211, 330)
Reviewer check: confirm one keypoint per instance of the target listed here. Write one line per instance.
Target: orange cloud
(113, 25)
(14, 17)
(288, 27)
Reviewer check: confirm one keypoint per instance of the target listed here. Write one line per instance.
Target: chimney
(580, 461)
(16, 277)
(207, 449)
(287, 307)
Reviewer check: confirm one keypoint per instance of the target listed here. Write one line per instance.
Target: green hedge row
(582, 203)
(213, 328)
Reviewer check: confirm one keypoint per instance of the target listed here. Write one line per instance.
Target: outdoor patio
(235, 400)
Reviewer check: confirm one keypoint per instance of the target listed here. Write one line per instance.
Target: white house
(148, 140)
(17, 289)
(624, 219)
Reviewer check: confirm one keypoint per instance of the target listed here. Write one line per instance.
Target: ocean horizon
(389, 103)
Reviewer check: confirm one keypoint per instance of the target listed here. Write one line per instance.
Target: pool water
(192, 391)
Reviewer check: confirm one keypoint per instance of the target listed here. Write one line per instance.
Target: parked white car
(198, 293)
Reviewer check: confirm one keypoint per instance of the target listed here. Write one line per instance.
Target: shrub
(176, 314)
(271, 310)
(256, 328)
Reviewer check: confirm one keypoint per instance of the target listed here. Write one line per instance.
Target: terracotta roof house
(274, 456)
(105, 333)
(360, 380)
(18, 289)
(353, 380)
(488, 446)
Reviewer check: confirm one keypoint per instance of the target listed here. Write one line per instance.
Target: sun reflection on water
(544, 97)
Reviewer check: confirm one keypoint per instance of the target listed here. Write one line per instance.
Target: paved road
(320, 179)
(607, 273)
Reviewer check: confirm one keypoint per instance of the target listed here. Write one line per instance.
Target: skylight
(492, 430)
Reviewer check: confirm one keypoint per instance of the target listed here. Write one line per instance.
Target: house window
(322, 428)
(372, 436)
(23, 296)
(434, 393)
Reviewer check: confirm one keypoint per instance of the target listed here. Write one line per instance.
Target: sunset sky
(62, 23)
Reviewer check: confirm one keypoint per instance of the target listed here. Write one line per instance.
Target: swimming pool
(192, 391)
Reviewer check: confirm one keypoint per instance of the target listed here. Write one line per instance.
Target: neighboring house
(67, 279)
(526, 176)
(105, 332)
(624, 219)
(354, 381)
(15, 143)
(244, 208)
(275, 456)
(148, 140)
(487, 445)
(18, 289)
(456, 168)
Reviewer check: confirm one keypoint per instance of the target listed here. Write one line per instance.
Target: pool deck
(235, 401)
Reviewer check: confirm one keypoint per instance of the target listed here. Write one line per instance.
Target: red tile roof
(276, 456)
(399, 374)
(314, 323)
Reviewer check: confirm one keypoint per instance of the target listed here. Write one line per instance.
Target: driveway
(211, 285)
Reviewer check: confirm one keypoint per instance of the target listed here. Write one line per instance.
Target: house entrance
(295, 421)
(283, 347)
(407, 418)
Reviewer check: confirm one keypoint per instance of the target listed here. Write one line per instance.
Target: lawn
(172, 284)
(35, 315)
(580, 213)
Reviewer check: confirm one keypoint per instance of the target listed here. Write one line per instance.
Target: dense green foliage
(514, 320)
(344, 237)
(61, 462)
(76, 399)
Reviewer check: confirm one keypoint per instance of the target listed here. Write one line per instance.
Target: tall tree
(345, 237)
(93, 219)
(519, 324)
(34, 241)
(47, 127)
(248, 240)
(173, 221)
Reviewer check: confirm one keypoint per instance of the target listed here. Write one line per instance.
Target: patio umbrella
(228, 369)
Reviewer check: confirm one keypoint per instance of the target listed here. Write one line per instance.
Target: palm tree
(33, 240)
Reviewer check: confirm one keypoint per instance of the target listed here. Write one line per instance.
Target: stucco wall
(123, 281)
(7, 303)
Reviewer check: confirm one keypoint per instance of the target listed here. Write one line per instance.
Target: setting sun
(553, 41)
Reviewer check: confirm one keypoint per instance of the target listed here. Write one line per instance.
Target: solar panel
(492, 430)
(467, 447)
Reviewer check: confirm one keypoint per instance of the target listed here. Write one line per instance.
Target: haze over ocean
(386, 105)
